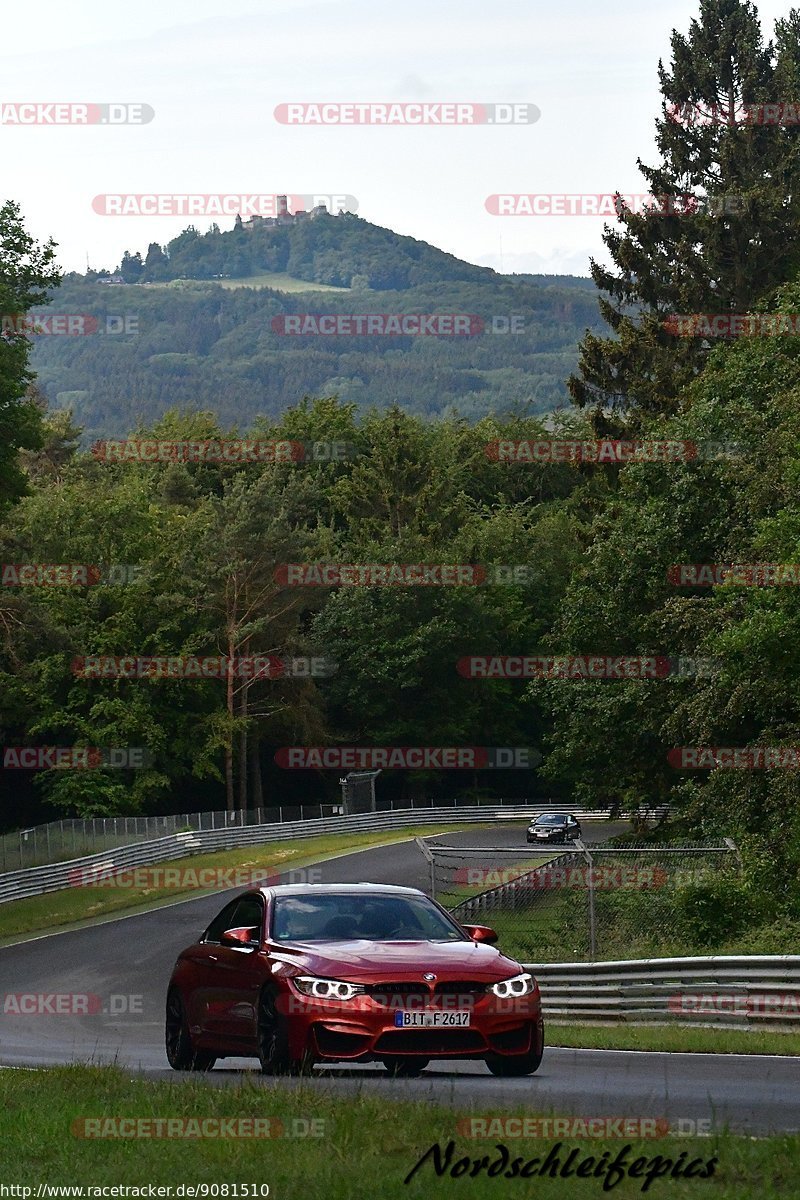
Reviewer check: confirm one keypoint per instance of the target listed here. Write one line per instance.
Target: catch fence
(579, 902)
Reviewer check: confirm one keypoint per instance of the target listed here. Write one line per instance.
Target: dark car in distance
(301, 974)
(554, 827)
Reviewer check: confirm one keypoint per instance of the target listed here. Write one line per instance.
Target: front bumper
(364, 1029)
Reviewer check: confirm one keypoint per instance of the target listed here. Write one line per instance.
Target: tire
(181, 1054)
(405, 1068)
(273, 1040)
(510, 1066)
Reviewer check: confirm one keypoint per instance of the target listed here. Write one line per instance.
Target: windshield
(552, 819)
(344, 918)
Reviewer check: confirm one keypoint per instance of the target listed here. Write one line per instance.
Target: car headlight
(327, 989)
(520, 985)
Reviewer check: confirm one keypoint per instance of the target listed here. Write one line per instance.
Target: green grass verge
(674, 1038)
(281, 282)
(278, 281)
(70, 906)
(364, 1149)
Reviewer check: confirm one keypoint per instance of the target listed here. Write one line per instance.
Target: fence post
(579, 846)
(592, 919)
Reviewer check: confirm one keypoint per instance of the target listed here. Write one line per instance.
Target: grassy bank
(359, 1150)
(673, 1039)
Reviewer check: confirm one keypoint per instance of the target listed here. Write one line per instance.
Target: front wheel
(509, 1066)
(273, 1041)
(405, 1068)
(181, 1054)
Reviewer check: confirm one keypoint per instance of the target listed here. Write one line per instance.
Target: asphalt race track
(132, 957)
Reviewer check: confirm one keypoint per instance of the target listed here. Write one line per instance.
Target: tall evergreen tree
(27, 271)
(723, 231)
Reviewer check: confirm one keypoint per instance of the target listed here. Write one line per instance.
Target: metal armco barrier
(35, 881)
(739, 992)
(74, 837)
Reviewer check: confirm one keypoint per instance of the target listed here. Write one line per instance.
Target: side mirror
(246, 936)
(481, 933)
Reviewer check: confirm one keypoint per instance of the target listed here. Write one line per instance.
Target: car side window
(221, 922)
(249, 913)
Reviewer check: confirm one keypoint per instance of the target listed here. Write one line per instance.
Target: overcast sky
(214, 73)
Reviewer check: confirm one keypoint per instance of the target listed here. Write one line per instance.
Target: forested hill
(341, 251)
(223, 344)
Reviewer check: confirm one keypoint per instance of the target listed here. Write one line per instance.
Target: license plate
(431, 1020)
(543, 836)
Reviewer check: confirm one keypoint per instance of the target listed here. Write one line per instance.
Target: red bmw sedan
(298, 975)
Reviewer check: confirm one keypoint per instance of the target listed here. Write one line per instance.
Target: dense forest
(602, 541)
(202, 345)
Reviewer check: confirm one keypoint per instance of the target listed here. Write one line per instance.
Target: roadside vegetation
(376, 1137)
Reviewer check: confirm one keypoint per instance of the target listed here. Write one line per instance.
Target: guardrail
(736, 991)
(72, 837)
(34, 881)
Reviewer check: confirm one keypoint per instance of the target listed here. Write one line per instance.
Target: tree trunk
(244, 708)
(256, 783)
(243, 753)
(229, 740)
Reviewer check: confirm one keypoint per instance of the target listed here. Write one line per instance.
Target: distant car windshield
(552, 819)
(350, 917)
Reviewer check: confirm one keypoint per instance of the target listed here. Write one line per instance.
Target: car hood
(362, 961)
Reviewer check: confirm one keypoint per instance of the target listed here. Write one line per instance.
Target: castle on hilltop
(284, 217)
